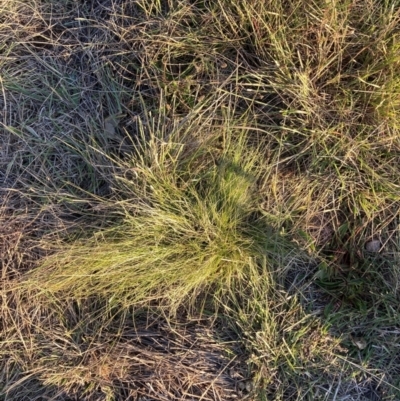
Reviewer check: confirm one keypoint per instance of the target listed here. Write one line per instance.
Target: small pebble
(373, 246)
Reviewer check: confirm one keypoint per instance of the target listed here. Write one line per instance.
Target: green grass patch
(192, 223)
(178, 171)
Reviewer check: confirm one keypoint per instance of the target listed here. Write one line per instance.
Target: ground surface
(199, 200)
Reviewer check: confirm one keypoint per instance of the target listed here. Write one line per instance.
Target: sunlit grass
(192, 224)
(183, 159)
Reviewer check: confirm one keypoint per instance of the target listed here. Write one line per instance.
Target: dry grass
(65, 352)
(199, 200)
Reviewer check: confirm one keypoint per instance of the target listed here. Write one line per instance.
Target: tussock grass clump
(192, 225)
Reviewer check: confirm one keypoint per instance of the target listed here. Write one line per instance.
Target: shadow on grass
(284, 325)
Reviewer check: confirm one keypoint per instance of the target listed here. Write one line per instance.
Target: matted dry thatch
(66, 355)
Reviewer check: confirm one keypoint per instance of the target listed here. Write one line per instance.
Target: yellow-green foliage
(192, 225)
(235, 156)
